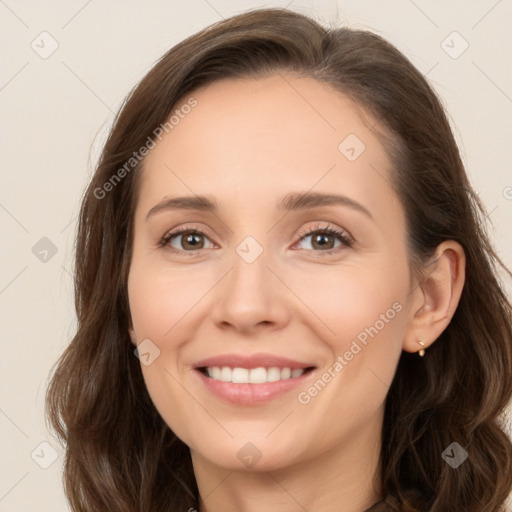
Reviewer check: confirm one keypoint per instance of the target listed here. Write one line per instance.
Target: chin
(246, 455)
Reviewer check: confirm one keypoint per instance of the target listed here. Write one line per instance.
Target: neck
(347, 478)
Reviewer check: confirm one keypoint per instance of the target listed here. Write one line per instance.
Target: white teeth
(257, 375)
(273, 374)
(297, 373)
(286, 373)
(254, 375)
(225, 374)
(240, 375)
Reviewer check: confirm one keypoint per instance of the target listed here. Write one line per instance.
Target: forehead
(263, 137)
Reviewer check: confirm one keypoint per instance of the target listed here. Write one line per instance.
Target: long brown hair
(121, 456)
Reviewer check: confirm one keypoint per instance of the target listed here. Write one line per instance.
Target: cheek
(159, 298)
(360, 314)
(158, 303)
(346, 302)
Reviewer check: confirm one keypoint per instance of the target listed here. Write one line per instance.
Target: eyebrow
(291, 202)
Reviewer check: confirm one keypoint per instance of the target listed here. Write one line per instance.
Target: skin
(260, 140)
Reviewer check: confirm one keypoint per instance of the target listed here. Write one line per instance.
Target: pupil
(319, 239)
(189, 240)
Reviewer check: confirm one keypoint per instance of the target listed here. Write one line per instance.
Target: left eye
(325, 240)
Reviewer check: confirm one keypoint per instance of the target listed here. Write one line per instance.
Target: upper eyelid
(301, 233)
(182, 230)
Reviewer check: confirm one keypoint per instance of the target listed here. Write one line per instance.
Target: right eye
(190, 240)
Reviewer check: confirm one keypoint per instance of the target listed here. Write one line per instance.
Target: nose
(251, 297)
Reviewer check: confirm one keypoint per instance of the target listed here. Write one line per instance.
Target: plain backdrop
(66, 68)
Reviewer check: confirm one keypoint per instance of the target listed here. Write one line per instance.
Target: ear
(436, 297)
(133, 336)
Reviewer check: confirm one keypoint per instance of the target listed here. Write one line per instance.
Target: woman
(280, 228)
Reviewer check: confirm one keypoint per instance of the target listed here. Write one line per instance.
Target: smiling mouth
(260, 375)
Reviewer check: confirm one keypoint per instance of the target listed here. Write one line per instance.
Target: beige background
(56, 111)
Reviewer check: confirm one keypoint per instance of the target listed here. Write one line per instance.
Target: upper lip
(251, 361)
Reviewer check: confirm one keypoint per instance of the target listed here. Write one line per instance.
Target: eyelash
(345, 238)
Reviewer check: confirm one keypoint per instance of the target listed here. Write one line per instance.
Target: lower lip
(251, 394)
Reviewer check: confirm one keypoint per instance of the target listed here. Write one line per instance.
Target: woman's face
(259, 326)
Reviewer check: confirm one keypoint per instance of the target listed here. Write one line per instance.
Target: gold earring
(421, 352)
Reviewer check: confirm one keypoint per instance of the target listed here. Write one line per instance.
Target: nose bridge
(250, 275)
(250, 294)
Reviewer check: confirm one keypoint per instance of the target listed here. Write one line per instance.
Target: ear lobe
(437, 296)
